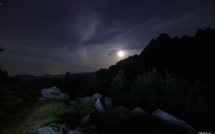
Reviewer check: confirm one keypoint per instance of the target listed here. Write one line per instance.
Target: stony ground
(72, 116)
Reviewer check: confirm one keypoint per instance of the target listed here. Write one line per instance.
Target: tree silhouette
(185, 58)
(1, 49)
(118, 86)
(3, 74)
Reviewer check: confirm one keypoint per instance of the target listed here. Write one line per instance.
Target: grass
(18, 118)
(23, 117)
(33, 115)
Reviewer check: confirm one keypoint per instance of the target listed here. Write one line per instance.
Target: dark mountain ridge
(185, 58)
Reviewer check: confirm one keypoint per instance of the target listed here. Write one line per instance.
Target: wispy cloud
(194, 17)
(86, 26)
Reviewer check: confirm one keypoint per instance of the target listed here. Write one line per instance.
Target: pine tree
(145, 87)
(118, 86)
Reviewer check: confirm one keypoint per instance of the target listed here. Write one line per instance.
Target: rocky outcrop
(91, 99)
(54, 93)
(106, 116)
(101, 103)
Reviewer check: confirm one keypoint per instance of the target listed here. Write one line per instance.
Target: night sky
(56, 36)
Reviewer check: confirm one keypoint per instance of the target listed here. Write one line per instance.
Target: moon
(121, 53)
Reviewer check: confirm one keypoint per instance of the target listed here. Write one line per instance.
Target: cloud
(194, 17)
(86, 21)
(47, 61)
(113, 52)
(85, 35)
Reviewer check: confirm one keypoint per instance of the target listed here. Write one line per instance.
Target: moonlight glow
(121, 53)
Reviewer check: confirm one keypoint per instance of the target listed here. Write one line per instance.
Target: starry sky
(56, 36)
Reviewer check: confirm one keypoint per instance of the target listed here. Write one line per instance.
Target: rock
(53, 128)
(108, 104)
(98, 106)
(97, 96)
(85, 120)
(139, 113)
(54, 93)
(74, 132)
(46, 130)
(86, 127)
(88, 99)
(173, 122)
(125, 117)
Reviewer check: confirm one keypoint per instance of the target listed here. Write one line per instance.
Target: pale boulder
(54, 93)
(98, 106)
(173, 122)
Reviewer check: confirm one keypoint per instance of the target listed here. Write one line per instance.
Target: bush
(145, 88)
(196, 106)
(174, 93)
(86, 108)
(119, 85)
(93, 84)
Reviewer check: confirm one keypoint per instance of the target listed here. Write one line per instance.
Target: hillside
(185, 57)
(172, 76)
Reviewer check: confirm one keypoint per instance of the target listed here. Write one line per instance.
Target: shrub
(118, 88)
(145, 87)
(195, 103)
(93, 84)
(174, 93)
(86, 108)
(74, 104)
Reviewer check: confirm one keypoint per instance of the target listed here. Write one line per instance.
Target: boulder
(125, 117)
(74, 132)
(97, 96)
(139, 113)
(108, 103)
(88, 100)
(53, 128)
(46, 130)
(173, 122)
(85, 128)
(98, 106)
(54, 93)
(85, 120)
(91, 99)
(125, 121)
